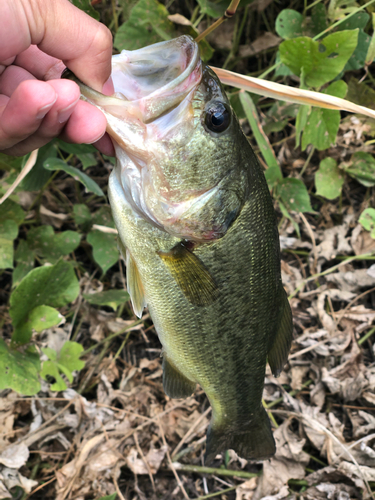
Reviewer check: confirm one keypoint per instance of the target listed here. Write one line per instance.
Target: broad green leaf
(338, 9)
(361, 94)
(57, 164)
(273, 176)
(8, 233)
(321, 61)
(318, 19)
(323, 124)
(362, 168)
(24, 257)
(11, 210)
(367, 220)
(103, 217)
(38, 175)
(87, 160)
(9, 163)
(358, 58)
(216, 8)
(104, 249)
(50, 246)
(289, 24)
(109, 497)
(294, 195)
(76, 149)
(81, 214)
(66, 362)
(329, 179)
(53, 286)
(43, 317)
(110, 298)
(86, 6)
(301, 121)
(19, 370)
(148, 23)
(358, 20)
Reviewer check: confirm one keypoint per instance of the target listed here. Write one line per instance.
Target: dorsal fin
(191, 275)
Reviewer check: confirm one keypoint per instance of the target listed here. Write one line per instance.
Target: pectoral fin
(135, 286)
(175, 384)
(191, 275)
(278, 354)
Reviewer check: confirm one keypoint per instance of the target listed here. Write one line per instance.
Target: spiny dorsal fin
(175, 384)
(191, 275)
(135, 286)
(278, 354)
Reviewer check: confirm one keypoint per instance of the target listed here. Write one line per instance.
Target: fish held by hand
(197, 228)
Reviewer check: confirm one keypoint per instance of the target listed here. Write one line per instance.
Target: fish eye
(217, 116)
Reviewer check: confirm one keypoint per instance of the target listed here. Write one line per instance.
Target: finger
(67, 33)
(40, 64)
(105, 145)
(22, 114)
(86, 125)
(11, 78)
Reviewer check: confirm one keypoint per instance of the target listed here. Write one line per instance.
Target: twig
(211, 470)
(139, 449)
(216, 493)
(231, 10)
(190, 431)
(171, 465)
(311, 234)
(26, 169)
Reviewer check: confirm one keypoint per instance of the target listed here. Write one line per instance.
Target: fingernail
(64, 114)
(44, 110)
(95, 140)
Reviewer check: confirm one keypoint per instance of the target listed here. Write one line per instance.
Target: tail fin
(254, 441)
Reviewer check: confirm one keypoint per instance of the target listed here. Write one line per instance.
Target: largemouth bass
(198, 231)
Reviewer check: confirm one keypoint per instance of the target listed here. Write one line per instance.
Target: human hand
(38, 38)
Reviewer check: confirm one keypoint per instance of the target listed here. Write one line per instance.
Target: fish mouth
(148, 82)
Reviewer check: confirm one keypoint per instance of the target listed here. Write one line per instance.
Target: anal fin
(135, 286)
(191, 275)
(175, 384)
(278, 353)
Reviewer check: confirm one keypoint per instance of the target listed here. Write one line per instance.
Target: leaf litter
(115, 432)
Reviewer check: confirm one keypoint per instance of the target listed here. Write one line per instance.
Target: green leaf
(38, 175)
(294, 195)
(301, 121)
(86, 6)
(318, 19)
(19, 370)
(8, 233)
(289, 24)
(103, 217)
(104, 248)
(11, 210)
(362, 168)
(323, 124)
(50, 246)
(148, 23)
(24, 257)
(110, 298)
(321, 61)
(109, 497)
(260, 136)
(57, 164)
(76, 149)
(66, 362)
(329, 179)
(87, 160)
(53, 286)
(367, 220)
(81, 214)
(43, 317)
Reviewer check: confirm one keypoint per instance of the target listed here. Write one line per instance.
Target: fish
(197, 228)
